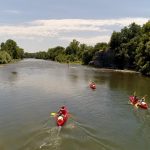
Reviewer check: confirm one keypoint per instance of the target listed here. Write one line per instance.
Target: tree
(86, 57)
(73, 48)
(115, 40)
(100, 46)
(124, 45)
(52, 53)
(12, 49)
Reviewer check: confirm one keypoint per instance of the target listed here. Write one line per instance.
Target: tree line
(9, 51)
(74, 52)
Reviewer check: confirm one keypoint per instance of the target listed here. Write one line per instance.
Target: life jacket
(63, 111)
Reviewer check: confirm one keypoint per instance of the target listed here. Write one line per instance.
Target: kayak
(92, 85)
(134, 100)
(61, 119)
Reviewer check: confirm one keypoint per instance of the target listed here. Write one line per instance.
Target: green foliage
(12, 49)
(4, 57)
(61, 58)
(143, 51)
(115, 40)
(146, 28)
(132, 47)
(124, 45)
(29, 55)
(54, 52)
(100, 46)
(73, 48)
(41, 55)
(87, 57)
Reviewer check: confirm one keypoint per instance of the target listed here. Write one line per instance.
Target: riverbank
(126, 71)
(11, 62)
(116, 70)
(103, 69)
(75, 62)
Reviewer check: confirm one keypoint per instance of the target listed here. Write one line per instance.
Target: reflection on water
(102, 119)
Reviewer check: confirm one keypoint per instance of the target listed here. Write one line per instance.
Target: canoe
(61, 119)
(134, 100)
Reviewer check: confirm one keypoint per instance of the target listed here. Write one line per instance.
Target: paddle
(53, 114)
(134, 94)
(143, 98)
(140, 101)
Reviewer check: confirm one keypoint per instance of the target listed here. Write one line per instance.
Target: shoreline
(127, 71)
(1, 65)
(117, 70)
(101, 69)
(11, 62)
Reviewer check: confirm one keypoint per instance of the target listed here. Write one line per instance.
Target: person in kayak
(62, 111)
(135, 98)
(140, 101)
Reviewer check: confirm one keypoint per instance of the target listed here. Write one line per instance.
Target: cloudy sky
(37, 25)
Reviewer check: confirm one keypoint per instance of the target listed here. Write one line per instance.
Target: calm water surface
(101, 120)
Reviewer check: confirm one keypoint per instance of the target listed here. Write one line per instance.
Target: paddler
(62, 111)
(140, 101)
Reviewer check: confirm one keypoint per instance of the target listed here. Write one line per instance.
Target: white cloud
(89, 22)
(64, 29)
(89, 40)
(51, 28)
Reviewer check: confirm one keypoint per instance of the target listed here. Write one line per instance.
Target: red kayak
(61, 119)
(134, 100)
(92, 86)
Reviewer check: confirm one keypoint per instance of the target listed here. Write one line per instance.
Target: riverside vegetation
(9, 51)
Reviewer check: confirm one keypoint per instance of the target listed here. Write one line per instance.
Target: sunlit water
(100, 120)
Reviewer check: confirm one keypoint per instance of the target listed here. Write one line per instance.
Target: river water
(31, 90)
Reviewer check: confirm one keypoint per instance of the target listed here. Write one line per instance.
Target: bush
(4, 57)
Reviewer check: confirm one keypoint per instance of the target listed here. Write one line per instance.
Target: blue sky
(37, 25)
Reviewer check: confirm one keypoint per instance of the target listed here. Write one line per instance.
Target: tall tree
(73, 48)
(12, 49)
(143, 51)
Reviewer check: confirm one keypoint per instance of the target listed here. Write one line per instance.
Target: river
(100, 119)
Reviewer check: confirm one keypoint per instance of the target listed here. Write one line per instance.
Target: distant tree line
(10, 51)
(75, 52)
